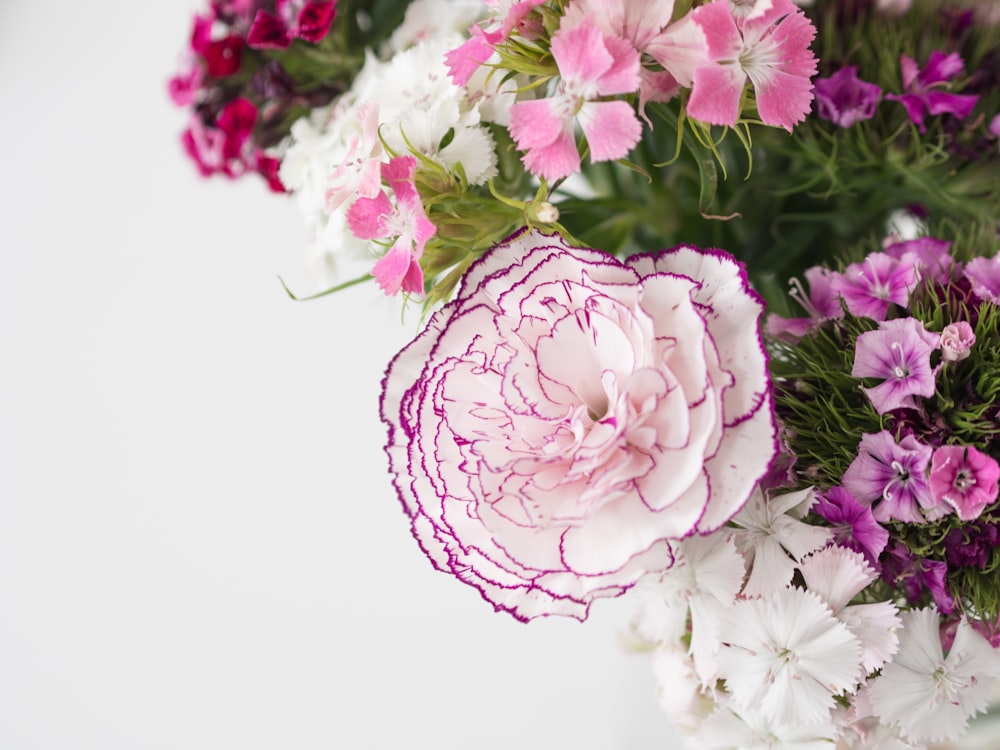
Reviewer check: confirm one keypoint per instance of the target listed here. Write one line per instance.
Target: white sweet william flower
(837, 575)
(787, 657)
(705, 579)
(928, 695)
(567, 417)
(733, 728)
(773, 539)
(428, 18)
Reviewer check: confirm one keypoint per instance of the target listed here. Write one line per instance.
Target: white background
(199, 543)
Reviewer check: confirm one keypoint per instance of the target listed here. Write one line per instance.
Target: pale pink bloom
(359, 174)
(768, 47)
(483, 38)
(930, 696)
(567, 417)
(405, 223)
(957, 340)
(591, 66)
(678, 47)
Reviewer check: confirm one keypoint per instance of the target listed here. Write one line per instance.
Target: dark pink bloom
(853, 524)
(225, 146)
(845, 99)
(292, 19)
(899, 352)
(769, 49)
(923, 88)
(964, 478)
(869, 287)
(892, 476)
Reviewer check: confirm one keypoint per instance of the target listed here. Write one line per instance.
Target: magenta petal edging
(567, 417)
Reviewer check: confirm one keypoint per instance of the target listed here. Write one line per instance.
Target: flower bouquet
(710, 293)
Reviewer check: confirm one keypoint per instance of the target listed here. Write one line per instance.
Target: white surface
(199, 544)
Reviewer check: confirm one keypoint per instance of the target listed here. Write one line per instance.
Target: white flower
(705, 579)
(735, 728)
(837, 575)
(929, 696)
(771, 533)
(787, 656)
(427, 18)
(678, 688)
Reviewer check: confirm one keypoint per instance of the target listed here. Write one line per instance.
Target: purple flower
(845, 99)
(964, 478)
(899, 352)
(852, 523)
(567, 415)
(984, 275)
(970, 546)
(822, 302)
(923, 88)
(913, 575)
(891, 474)
(929, 255)
(880, 279)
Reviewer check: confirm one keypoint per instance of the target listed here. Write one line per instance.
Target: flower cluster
(854, 599)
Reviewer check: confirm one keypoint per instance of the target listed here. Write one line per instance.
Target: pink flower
(965, 478)
(924, 94)
(406, 223)
(957, 340)
(590, 66)
(292, 19)
(984, 275)
(768, 46)
(567, 415)
(899, 352)
(892, 474)
(507, 14)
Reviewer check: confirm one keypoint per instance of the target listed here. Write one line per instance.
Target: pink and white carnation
(567, 417)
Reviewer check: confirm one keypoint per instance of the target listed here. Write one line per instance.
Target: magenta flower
(853, 524)
(892, 475)
(923, 88)
(590, 66)
(768, 48)
(957, 340)
(844, 99)
(567, 415)
(223, 147)
(965, 479)
(869, 287)
(899, 352)
(292, 19)
(405, 222)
